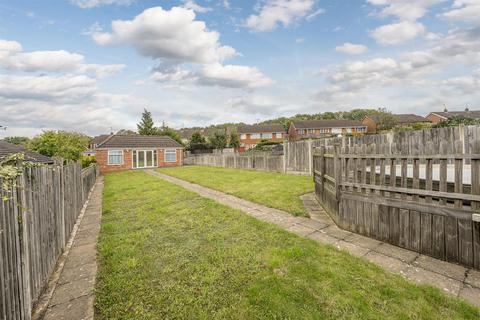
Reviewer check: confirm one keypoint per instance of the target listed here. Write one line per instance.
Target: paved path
(73, 293)
(451, 278)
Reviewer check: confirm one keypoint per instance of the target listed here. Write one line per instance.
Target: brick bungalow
(251, 135)
(121, 152)
(402, 120)
(436, 117)
(310, 129)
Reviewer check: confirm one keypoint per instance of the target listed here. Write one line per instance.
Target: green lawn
(274, 190)
(167, 253)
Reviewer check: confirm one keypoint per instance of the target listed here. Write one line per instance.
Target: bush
(88, 160)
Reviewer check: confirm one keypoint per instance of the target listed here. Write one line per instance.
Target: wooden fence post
(24, 211)
(322, 169)
(337, 167)
(310, 157)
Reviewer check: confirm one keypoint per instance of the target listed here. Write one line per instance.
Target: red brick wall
(102, 160)
(434, 118)
(249, 141)
(371, 125)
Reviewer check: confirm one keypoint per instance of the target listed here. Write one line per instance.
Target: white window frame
(170, 151)
(135, 156)
(243, 136)
(115, 164)
(267, 135)
(255, 136)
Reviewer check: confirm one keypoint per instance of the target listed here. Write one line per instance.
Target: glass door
(144, 159)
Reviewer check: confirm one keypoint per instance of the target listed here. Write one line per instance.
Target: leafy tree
(386, 121)
(125, 132)
(166, 131)
(17, 140)
(234, 140)
(197, 138)
(456, 121)
(67, 145)
(219, 140)
(146, 125)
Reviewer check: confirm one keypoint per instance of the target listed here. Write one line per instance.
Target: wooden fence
(36, 219)
(263, 162)
(429, 203)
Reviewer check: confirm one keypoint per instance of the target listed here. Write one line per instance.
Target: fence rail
(424, 203)
(37, 215)
(264, 162)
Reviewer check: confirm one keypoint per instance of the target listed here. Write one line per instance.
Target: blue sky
(93, 65)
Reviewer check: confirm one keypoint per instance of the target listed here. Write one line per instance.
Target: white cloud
(172, 35)
(275, 12)
(192, 5)
(86, 4)
(13, 58)
(406, 27)
(233, 76)
(350, 48)
(398, 32)
(464, 10)
(315, 14)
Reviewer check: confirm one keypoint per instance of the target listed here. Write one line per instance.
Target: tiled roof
(99, 139)
(475, 114)
(403, 118)
(314, 124)
(139, 141)
(32, 156)
(261, 128)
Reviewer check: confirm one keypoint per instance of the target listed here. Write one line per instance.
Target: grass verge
(274, 190)
(167, 253)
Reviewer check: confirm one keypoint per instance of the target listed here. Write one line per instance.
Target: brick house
(251, 135)
(311, 129)
(120, 152)
(436, 117)
(402, 120)
(7, 149)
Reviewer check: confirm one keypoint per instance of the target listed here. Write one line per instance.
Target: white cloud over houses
(281, 12)
(407, 13)
(13, 58)
(350, 48)
(175, 37)
(87, 4)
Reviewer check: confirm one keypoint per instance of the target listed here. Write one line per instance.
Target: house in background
(125, 152)
(437, 117)
(372, 122)
(94, 143)
(7, 149)
(251, 135)
(311, 129)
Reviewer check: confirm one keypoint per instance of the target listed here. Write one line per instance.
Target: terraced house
(402, 120)
(310, 129)
(251, 135)
(436, 117)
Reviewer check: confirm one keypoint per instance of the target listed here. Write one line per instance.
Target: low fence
(36, 219)
(428, 203)
(264, 162)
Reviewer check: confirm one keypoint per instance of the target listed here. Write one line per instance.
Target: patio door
(144, 159)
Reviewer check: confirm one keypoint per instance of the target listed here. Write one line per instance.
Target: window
(255, 136)
(170, 155)
(266, 136)
(115, 157)
(301, 131)
(243, 136)
(311, 131)
(279, 134)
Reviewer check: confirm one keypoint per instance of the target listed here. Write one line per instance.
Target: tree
(456, 121)
(166, 131)
(219, 140)
(17, 140)
(386, 121)
(197, 138)
(234, 140)
(67, 145)
(146, 125)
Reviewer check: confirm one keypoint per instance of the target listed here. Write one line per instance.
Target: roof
(334, 123)
(261, 128)
(7, 149)
(99, 139)
(139, 141)
(402, 118)
(475, 114)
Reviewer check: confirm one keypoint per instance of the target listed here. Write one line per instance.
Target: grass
(274, 190)
(167, 253)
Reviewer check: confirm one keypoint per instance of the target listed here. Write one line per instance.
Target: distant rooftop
(261, 128)
(7, 149)
(334, 123)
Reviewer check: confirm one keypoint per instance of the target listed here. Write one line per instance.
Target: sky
(93, 65)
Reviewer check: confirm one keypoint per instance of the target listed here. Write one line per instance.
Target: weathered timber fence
(427, 201)
(455, 140)
(263, 162)
(37, 215)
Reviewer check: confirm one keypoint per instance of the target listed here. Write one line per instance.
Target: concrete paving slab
(423, 276)
(322, 237)
(336, 232)
(301, 230)
(447, 269)
(362, 241)
(397, 252)
(473, 278)
(73, 309)
(470, 294)
(386, 262)
(351, 248)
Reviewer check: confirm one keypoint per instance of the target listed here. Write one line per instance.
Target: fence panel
(264, 162)
(37, 215)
